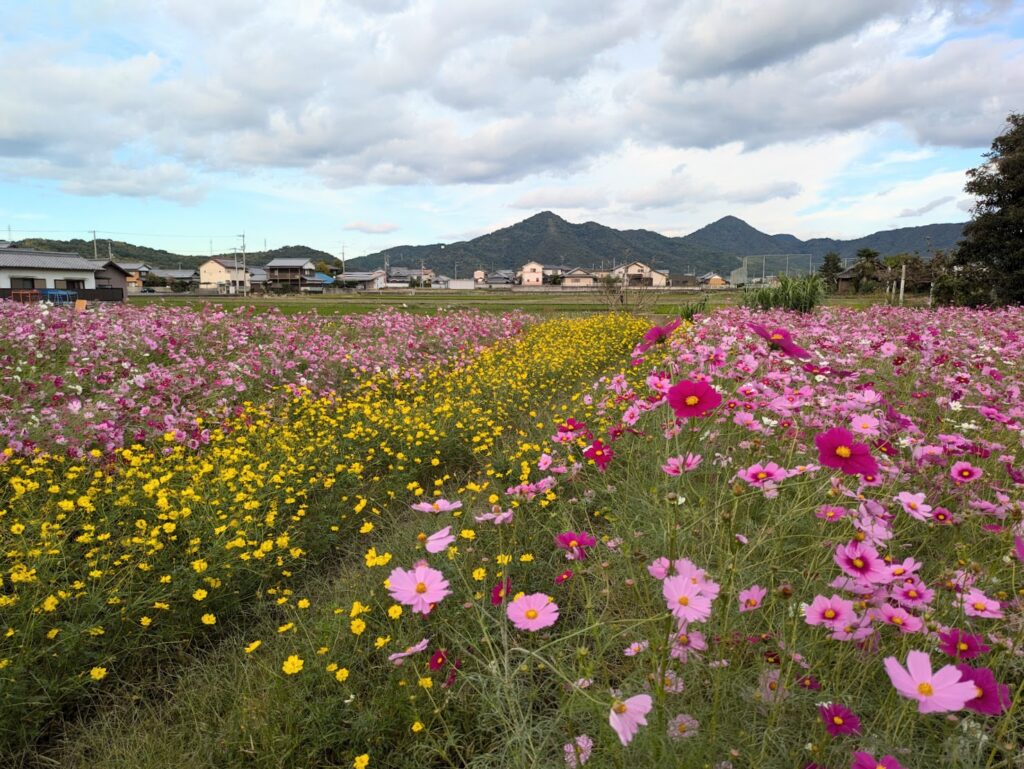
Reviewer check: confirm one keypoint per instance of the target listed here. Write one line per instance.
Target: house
(577, 277)
(187, 278)
(411, 276)
(500, 278)
(137, 273)
(110, 274)
(224, 276)
(532, 274)
(324, 278)
(682, 280)
(287, 274)
(443, 281)
(27, 269)
(361, 281)
(639, 274)
(712, 280)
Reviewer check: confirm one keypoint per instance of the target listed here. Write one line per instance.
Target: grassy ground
(427, 301)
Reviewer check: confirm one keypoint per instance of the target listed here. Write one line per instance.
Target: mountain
(719, 246)
(154, 257)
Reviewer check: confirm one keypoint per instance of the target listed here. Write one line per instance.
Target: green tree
(988, 266)
(830, 269)
(866, 270)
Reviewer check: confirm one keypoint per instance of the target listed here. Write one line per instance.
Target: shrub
(801, 294)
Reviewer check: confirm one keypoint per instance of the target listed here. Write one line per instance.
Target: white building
(25, 269)
(224, 276)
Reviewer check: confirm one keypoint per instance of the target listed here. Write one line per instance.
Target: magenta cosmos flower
(862, 760)
(600, 453)
(751, 598)
(781, 339)
(420, 587)
(834, 613)
(692, 399)
(940, 692)
(627, 716)
(533, 612)
(960, 645)
(992, 698)
(836, 448)
(573, 544)
(839, 719)
(862, 561)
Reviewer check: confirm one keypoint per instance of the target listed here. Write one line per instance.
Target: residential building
(712, 280)
(137, 273)
(224, 276)
(177, 277)
(110, 274)
(639, 274)
(27, 269)
(293, 275)
(579, 278)
(362, 281)
(532, 274)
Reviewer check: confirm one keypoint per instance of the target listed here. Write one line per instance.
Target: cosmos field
(469, 539)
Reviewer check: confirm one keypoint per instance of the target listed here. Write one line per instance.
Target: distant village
(30, 274)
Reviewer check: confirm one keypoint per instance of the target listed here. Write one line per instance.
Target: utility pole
(342, 258)
(95, 256)
(234, 271)
(787, 265)
(903, 281)
(245, 272)
(110, 254)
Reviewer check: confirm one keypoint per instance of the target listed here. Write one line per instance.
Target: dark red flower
(781, 339)
(960, 645)
(437, 659)
(693, 399)
(565, 576)
(500, 592)
(993, 697)
(600, 453)
(836, 448)
(839, 719)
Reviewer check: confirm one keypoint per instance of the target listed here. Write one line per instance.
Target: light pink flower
(627, 716)
(977, 604)
(437, 506)
(914, 505)
(399, 657)
(833, 613)
(685, 600)
(533, 612)
(577, 752)
(419, 587)
(940, 692)
(439, 540)
(751, 598)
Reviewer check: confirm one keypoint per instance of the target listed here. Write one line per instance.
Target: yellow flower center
(762, 475)
(898, 571)
(838, 721)
(531, 614)
(843, 451)
(830, 614)
(897, 620)
(858, 562)
(776, 337)
(751, 602)
(978, 692)
(925, 689)
(421, 587)
(573, 543)
(979, 606)
(684, 601)
(681, 728)
(912, 593)
(962, 646)
(692, 400)
(619, 707)
(683, 639)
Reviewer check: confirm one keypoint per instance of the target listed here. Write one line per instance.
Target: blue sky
(373, 123)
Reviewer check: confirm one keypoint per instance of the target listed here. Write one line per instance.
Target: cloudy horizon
(375, 123)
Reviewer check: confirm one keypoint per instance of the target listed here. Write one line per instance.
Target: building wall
(533, 274)
(112, 278)
(658, 279)
(49, 276)
(214, 275)
(578, 280)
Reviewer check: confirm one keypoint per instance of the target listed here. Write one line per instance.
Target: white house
(639, 274)
(224, 276)
(533, 274)
(25, 269)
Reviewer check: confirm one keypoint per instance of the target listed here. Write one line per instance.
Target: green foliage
(801, 294)
(830, 269)
(988, 268)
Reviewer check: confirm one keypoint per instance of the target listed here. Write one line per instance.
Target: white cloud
(930, 206)
(372, 228)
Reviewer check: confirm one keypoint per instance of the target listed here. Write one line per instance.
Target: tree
(830, 269)
(988, 266)
(866, 268)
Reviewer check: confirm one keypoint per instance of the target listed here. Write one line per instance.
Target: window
(69, 284)
(28, 283)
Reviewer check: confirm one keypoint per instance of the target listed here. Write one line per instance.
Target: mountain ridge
(719, 246)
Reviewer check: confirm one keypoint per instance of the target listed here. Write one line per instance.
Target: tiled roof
(288, 262)
(27, 259)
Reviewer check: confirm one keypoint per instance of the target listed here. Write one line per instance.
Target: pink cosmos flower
(977, 604)
(865, 424)
(992, 698)
(759, 475)
(960, 645)
(577, 752)
(831, 513)
(839, 719)
(440, 540)
(636, 648)
(692, 399)
(685, 600)
(678, 465)
(497, 516)
(862, 561)
(399, 657)
(683, 726)
(781, 339)
(836, 448)
(893, 615)
(1018, 548)
(575, 544)
(833, 613)
(564, 577)
(420, 587)
(941, 692)
(913, 593)
(964, 472)
(533, 612)
(544, 462)
(626, 717)
(914, 505)
(751, 598)
(863, 760)
(437, 506)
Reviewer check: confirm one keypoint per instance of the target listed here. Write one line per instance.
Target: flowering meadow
(757, 540)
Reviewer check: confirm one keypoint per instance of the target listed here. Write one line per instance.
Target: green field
(426, 301)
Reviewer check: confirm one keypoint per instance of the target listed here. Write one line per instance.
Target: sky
(366, 124)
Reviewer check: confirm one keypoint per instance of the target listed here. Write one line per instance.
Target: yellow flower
(253, 646)
(361, 762)
(394, 611)
(382, 640)
(199, 566)
(426, 682)
(366, 528)
(98, 674)
(357, 609)
(341, 675)
(292, 665)
(526, 557)
(286, 627)
(479, 574)
(146, 621)
(200, 594)
(303, 603)
(468, 534)
(209, 619)
(357, 627)
(417, 727)
(17, 528)
(50, 603)
(503, 559)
